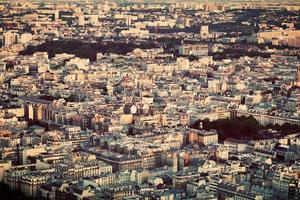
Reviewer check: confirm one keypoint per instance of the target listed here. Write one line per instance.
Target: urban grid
(149, 100)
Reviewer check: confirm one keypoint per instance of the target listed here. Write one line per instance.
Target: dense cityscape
(154, 100)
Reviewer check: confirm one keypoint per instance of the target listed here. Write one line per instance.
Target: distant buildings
(280, 37)
(194, 49)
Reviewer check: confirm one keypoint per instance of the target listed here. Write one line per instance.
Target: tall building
(2, 66)
(9, 38)
(204, 31)
(94, 20)
(81, 20)
(25, 38)
(37, 112)
(128, 20)
(297, 77)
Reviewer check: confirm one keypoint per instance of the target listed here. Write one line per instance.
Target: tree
(238, 128)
